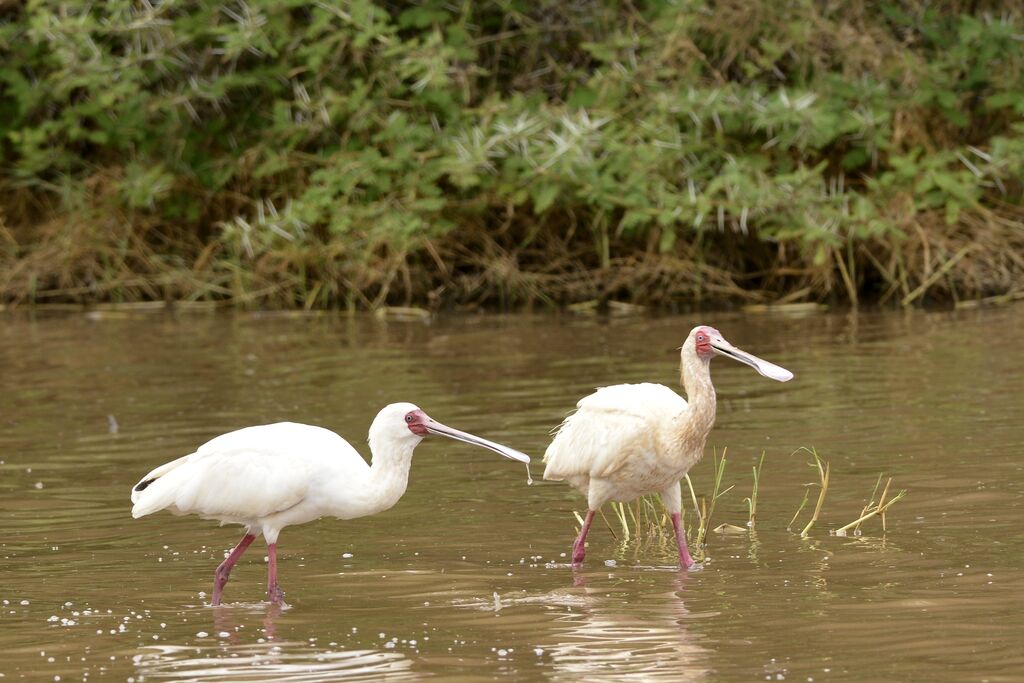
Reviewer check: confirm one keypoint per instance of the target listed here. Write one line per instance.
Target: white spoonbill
(629, 440)
(272, 476)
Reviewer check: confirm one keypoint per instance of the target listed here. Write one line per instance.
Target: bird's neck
(695, 423)
(389, 473)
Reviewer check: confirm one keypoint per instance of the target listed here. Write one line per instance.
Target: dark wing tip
(141, 486)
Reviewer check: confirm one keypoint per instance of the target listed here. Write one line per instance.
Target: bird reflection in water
(230, 653)
(601, 639)
(225, 620)
(625, 625)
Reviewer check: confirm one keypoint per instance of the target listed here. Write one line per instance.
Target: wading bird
(629, 440)
(272, 476)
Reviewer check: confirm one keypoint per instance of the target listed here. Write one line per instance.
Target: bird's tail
(142, 496)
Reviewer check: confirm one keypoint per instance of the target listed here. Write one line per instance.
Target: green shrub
(354, 152)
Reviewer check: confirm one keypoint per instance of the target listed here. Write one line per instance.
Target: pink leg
(274, 592)
(220, 577)
(684, 554)
(579, 548)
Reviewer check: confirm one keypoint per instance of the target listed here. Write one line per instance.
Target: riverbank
(935, 267)
(503, 156)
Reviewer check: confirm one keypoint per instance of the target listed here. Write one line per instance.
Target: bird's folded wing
(247, 474)
(239, 484)
(644, 400)
(609, 427)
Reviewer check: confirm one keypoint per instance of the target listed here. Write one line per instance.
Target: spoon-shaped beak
(769, 370)
(435, 427)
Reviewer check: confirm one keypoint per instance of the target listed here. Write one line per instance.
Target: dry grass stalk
(643, 521)
(100, 255)
(871, 500)
(874, 509)
(823, 479)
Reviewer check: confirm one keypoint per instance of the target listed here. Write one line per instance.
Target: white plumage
(266, 477)
(629, 440)
(613, 421)
(273, 476)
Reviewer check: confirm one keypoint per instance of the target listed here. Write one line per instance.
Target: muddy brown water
(465, 579)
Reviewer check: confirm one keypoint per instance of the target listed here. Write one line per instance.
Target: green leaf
(1004, 99)
(421, 17)
(634, 218)
(582, 97)
(952, 212)
(855, 158)
(602, 51)
(667, 241)
(543, 196)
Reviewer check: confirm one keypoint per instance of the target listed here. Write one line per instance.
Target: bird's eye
(408, 418)
(700, 337)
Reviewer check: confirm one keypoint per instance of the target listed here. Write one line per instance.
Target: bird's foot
(220, 579)
(275, 594)
(579, 552)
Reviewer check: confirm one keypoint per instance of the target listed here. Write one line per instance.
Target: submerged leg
(579, 548)
(220, 577)
(684, 553)
(274, 592)
(672, 497)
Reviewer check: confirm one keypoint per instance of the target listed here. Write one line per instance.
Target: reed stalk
(752, 500)
(708, 508)
(872, 509)
(824, 470)
(800, 508)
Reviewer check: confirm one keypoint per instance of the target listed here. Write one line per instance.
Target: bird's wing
(609, 425)
(642, 400)
(246, 474)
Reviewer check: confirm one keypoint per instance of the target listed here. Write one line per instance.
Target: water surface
(465, 577)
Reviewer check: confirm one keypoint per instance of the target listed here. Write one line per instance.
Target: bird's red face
(709, 342)
(417, 422)
(703, 341)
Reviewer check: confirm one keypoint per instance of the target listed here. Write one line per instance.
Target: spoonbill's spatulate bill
(272, 476)
(629, 440)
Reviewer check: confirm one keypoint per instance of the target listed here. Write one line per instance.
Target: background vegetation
(506, 152)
